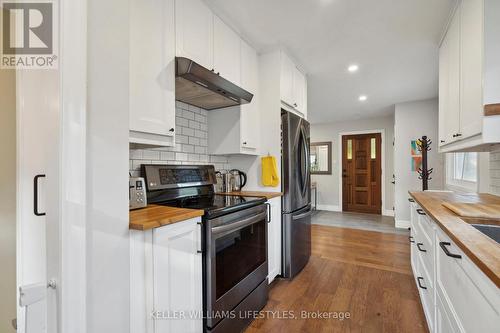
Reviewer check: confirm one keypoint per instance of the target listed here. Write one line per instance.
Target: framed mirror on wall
(321, 158)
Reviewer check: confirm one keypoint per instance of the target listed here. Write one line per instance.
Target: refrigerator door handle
(301, 216)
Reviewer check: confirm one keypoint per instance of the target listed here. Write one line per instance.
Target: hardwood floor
(364, 273)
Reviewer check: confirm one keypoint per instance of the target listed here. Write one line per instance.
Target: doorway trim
(339, 176)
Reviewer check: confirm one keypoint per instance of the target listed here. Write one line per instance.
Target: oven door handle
(240, 224)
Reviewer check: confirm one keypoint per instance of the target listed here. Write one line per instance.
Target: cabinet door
(177, 275)
(274, 239)
(194, 31)
(299, 83)
(152, 67)
(471, 82)
(449, 83)
(249, 121)
(227, 54)
(286, 82)
(465, 290)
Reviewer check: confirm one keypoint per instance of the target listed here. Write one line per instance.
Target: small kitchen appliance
(239, 180)
(137, 193)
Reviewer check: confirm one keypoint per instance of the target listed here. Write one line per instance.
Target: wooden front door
(362, 173)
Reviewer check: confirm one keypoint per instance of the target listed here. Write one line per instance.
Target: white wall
(412, 120)
(328, 185)
(107, 242)
(8, 199)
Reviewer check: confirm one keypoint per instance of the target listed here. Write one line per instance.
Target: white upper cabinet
(236, 130)
(469, 78)
(227, 52)
(194, 31)
(449, 83)
(152, 72)
(471, 64)
(293, 86)
(299, 90)
(249, 114)
(287, 72)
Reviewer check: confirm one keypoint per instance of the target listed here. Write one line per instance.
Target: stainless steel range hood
(201, 87)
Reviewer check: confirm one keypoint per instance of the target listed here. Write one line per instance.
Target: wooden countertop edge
(481, 263)
(267, 195)
(492, 109)
(156, 222)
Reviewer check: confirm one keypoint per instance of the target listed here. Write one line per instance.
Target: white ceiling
(394, 42)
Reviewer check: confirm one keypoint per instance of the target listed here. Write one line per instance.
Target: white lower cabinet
(456, 295)
(166, 279)
(274, 239)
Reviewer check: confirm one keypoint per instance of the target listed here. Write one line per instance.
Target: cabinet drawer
(426, 291)
(445, 321)
(424, 247)
(468, 294)
(426, 225)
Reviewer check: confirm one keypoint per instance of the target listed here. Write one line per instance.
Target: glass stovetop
(217, 204)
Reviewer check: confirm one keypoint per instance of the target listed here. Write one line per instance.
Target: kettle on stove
(239, 179)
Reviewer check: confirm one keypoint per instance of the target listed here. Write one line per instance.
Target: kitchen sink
(492, 231)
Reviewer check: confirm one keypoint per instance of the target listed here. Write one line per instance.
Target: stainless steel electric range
(234, 243)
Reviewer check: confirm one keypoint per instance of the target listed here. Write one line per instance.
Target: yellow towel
(270, 171)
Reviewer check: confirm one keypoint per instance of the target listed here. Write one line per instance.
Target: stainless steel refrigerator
(296, 200)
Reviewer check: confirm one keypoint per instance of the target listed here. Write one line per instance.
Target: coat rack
(424, 145)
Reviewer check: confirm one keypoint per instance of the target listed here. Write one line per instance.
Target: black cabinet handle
(444, 245)
(411, 200)
(419, 247)
(35, 195)
(411, 239)
(459, 134)
(442, 141)
(172, 130)
(420, 211)
(420, 284)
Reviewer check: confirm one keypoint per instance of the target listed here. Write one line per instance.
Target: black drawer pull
(411, 239)
(420, 211)
(420, 284)
(444, 245)
(419, 247)
(35, 195)
(411, 200)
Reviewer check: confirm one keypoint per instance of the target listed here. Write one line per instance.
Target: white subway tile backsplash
(150, 155)
(191, 144)
(194, 141)
(188, 114)
(181, 156)
(179, 121)
(165, 156)
(187, 148)
(200, 118)
(200, 134)
(188, 131)
(194, 124)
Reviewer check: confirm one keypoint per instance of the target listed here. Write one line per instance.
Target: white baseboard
(330, 208)
(388, 212)
(402, 224)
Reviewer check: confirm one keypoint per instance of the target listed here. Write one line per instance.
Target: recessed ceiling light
(363, 98)
(353, 68)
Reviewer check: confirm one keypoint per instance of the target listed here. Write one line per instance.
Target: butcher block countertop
(267, 195)
(154, 216)
(481, 249)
